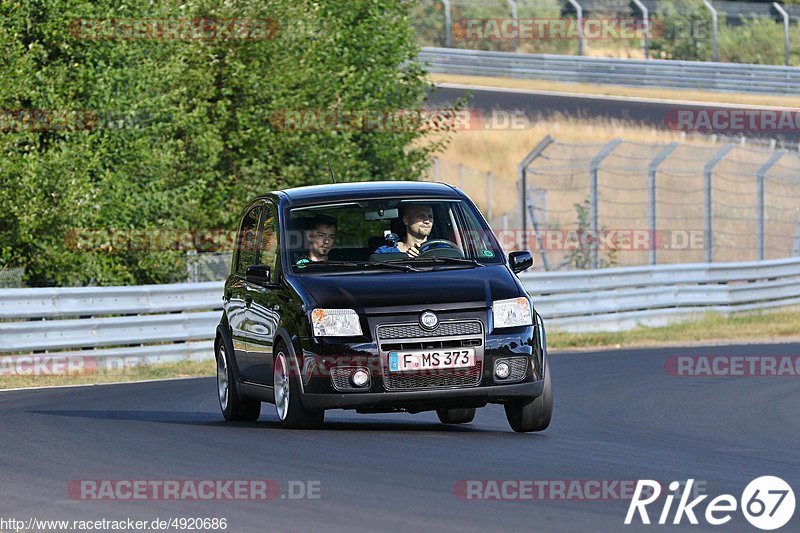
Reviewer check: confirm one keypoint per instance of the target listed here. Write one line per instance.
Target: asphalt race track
(649, 113)
(619, 415)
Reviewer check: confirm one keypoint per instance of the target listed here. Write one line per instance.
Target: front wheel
(456, 416)
(532, 415)
(290, 411)
(233, 406)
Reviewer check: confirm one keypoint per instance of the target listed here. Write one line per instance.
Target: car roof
(369, 189)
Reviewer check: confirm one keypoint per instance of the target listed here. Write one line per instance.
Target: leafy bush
(180, 133)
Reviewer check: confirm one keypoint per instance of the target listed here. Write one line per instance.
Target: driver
(418, 220)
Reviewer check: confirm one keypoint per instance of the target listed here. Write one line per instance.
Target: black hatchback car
(378, 297)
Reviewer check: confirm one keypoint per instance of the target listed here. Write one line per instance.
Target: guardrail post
(594, 166)
(785, 16)
(651, 188)
(448, 23)
(762, 174)
(579, 14)
(708, 172)
(646, 27)
(515, 15)
(715, 28)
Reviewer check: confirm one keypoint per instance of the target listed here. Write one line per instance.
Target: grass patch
(614, 90)
(182, 369)
(752, 327)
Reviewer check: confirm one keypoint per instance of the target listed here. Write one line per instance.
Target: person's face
(418, 218)
(321, 240)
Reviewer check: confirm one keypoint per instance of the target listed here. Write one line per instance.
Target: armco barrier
(658, 73)
(158, 323)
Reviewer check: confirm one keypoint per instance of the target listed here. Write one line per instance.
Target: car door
(264, 312)
(236, 295)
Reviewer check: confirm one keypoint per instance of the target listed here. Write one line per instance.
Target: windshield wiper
(405, 268)
(435, 259)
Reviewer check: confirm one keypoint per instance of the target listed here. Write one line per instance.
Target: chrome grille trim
(452, 328)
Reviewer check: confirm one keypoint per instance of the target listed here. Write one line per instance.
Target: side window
(268, 251)
(246, 242)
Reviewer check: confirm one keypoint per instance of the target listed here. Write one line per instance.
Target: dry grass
(183, 369)
(774, 326)
(611, 90)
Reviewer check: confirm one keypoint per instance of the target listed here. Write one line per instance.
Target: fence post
(594, 166)
(796, 245)
(708, 172)
(515, 15)
(651, 188)
(645, 27)
(448, 23)
(489, 195)
(762, 176)
(579, 14)
(522, 169)
(785, 16)
(715, 28)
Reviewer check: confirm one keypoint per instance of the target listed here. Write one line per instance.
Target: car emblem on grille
(428, 320)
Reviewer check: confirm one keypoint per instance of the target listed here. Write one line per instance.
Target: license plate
(431, 360)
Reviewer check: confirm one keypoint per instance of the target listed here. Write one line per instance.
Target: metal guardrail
(621, 298)
(111, 326)
(176, 322)
(757, 79)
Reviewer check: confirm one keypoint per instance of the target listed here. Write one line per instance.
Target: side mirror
(520, 261)
(258, 274)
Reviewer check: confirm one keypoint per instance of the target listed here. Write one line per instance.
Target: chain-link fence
(628, 203)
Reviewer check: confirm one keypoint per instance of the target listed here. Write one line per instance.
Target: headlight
(511, 313)
(335, 323)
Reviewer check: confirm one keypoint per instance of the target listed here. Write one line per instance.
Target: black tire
(532, 414)
(456, 416)
(288, 404)
(233, 406)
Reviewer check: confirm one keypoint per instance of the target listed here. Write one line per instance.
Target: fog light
(360, 377)
(502, 370)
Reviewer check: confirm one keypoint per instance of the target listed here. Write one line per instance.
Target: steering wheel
(426, 246)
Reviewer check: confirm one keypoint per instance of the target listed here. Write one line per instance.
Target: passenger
(418, 220)
(321, 236)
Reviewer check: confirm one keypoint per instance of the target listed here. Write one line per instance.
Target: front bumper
(424, 400)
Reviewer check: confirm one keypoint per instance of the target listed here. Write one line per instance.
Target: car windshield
(389, 235)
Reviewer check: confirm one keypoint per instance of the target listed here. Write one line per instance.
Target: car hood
(384, 291)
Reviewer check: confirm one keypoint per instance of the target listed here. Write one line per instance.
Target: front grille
(519, 367)
(415, 331)
(452, 334)
(434, 379)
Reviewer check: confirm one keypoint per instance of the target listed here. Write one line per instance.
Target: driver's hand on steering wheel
(413, 251)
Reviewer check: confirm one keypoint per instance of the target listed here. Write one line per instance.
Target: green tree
(181, 133)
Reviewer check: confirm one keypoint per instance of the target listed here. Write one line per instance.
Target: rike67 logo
(767, 503)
